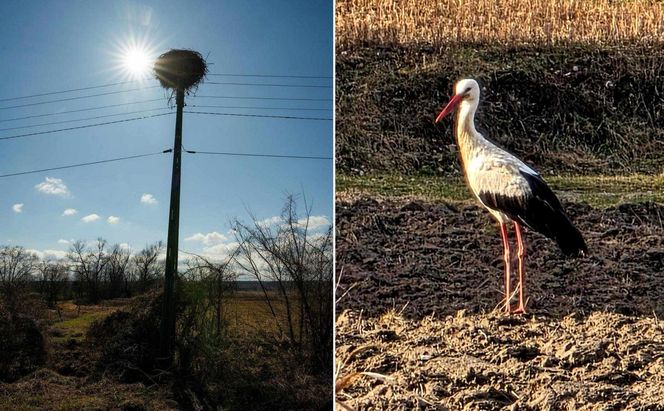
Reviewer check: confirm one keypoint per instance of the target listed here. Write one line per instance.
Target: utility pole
(180, 71)
(168, 319)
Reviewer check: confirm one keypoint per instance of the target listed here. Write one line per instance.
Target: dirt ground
(417, 296)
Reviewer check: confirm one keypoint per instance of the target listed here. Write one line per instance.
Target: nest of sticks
(183, 69)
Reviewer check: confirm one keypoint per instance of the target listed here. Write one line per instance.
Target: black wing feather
(540, 211)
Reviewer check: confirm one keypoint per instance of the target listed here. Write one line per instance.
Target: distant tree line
(88, 273)
(285, 363)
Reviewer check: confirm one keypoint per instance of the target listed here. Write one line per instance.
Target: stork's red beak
(450, 107)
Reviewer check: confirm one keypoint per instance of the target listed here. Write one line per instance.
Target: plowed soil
(417, 296)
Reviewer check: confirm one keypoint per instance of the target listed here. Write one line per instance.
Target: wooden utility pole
(179, 71)
(168, 319)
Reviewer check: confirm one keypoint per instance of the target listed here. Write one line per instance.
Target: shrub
(21, 346)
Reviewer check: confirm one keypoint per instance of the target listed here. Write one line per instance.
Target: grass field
(598, 191)
(392, 22)
(247, 311)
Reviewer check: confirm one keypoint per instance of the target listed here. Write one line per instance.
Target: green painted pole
(167, 342)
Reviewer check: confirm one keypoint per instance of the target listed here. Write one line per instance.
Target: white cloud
(63, 241)
(113, 219)
(207, 239)
(69, 211)
(54, 186)
(125, 246)
(90, 218)
(148, 199)
(219, 252)
(18, 208)
(49, 254)
(270, 221)
(316, 221)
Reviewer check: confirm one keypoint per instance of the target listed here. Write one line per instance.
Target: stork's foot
(521, 309)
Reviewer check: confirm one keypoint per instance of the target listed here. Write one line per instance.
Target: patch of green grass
(77, 327)
(418, 186)
(597, 190)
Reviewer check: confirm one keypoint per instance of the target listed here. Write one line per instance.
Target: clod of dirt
(430, 259)
(592, 339)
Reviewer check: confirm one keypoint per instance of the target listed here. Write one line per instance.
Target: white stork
(509, 189)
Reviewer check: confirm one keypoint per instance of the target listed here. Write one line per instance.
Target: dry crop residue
(419, 284)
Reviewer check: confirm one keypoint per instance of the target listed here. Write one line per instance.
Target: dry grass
(247, 311)
(392, 22)
(47, 390)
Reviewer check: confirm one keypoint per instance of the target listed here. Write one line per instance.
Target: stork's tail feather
(568, 237)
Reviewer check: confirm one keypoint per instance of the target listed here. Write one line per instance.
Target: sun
(137, 62)
(133, 58)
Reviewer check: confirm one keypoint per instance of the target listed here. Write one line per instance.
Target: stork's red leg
(521, 253)
(506, 257)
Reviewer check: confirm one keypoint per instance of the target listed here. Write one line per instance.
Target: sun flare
(137, 62)
(133, 58)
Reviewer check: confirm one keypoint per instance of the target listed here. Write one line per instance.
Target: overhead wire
(227, 153)
(268, 76)
(83, 119)
(69, 91)
(260, 115)
(268, 84)
(85, 164)
(223, 153)
(80, 110)
(119, 83)
(266, 98)
(263, 108)
(84, 126)
(38, 103)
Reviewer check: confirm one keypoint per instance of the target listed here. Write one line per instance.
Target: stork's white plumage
(508, 188)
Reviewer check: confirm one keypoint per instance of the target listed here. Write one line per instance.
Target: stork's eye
(468, 90)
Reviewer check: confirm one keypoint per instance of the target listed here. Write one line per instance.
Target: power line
(265, 108)
(119, 83)
(224, 153)
(266, 75)
(259, 115)
(267, 98)
(83, 119)
(77, 98)
(85, 164)
(69, 91)
(85, 126)
(267, 84)
(80, 110)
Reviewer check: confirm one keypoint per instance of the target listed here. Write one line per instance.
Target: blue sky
(49, 46)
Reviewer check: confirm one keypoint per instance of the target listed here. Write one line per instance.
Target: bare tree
(52, 277)
(147, 267)
(299, 264)
(88, 266)
(116, 271)
(17, 265)
(219, 280)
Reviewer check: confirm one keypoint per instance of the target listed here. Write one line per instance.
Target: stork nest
(183, 69)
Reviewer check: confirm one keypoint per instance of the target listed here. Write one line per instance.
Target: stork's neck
(468, 138)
